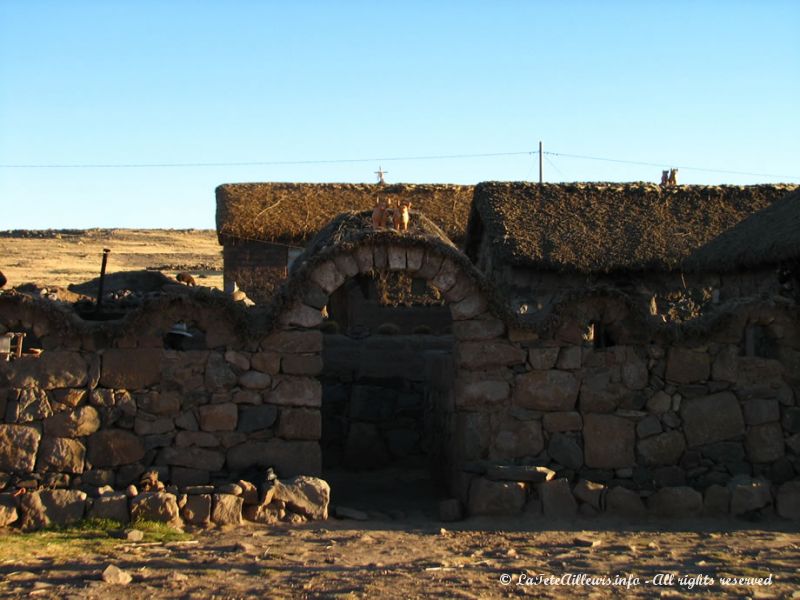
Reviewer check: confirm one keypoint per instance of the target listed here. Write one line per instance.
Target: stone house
(517, 411)
(263, 227)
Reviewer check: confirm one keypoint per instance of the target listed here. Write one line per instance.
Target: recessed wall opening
(184, 335)
(382, 395)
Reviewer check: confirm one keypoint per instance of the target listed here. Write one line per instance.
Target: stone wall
(99, 407)
(258, 268)
(531, 418)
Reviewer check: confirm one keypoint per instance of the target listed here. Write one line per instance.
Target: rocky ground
(413, 558)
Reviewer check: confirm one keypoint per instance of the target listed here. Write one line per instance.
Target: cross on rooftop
(380, 173)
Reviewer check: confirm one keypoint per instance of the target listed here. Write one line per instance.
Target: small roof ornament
(380, 173)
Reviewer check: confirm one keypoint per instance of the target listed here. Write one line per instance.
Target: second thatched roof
(604, 227)
(770, 236)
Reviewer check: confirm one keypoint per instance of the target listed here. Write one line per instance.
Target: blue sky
(713, 85)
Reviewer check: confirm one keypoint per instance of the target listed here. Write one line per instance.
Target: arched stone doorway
(343, 255)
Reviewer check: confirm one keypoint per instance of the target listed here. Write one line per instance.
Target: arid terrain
(416, 558)
(412, 557)
(61, 257)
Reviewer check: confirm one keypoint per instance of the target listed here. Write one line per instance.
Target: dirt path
(418, 559)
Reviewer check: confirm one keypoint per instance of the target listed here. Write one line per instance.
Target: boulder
(295, 391)
(131, 368)
(659, 403)
(514, 439)
(566, 451)
(717, 501)
(546, 390)
(218, 417)
(764, 443)
(267, 362)
(18, 447)
(680, 501)
(543, 359)
(623, 502)
(219, 375)
(114, 447)
(113, 506)
(31, 404)
(161, 507)
(255, 380)
(300, 424)
(472, 394)
(590, 492)
(51, 507)
(662, 449)
(197, 510)
(569, 358)
(62, 455)
(53, 369)
(711, 419)
(554, 422)
(761, 411)
(608, 441)
(163, 404)
(293, 342)
(488, 354)
(306, 496)
(748, 494)
(687, 366)
(256, 418)
(557, 500)
(227, 509)
(788, 500)
(8, 510)
(192, 457)
(495, 497)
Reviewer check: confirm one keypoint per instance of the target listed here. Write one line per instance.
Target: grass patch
(89, 535)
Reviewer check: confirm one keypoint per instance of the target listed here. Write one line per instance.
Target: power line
(255, 163)
(669, 165)
(170, 165)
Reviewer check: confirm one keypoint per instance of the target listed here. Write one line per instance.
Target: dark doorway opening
(384, 389)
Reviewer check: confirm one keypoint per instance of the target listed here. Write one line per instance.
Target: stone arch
(479, 334)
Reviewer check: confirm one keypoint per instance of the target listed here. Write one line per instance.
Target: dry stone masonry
(533, 420)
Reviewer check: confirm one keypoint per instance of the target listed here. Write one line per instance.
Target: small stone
(134, 535)
(589, 492)
(116, 576)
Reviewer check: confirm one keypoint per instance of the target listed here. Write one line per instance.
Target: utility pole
(540, 163)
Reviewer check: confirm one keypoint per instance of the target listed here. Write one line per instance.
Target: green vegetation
(90, 535)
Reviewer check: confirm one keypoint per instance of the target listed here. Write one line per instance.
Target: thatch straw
(603, 227)
(770, 236)
(294, 212)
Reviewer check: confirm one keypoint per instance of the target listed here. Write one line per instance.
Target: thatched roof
(293, 212)
(770, 236)
(603, 227)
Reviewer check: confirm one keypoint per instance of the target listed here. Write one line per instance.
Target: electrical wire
(256, 163)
